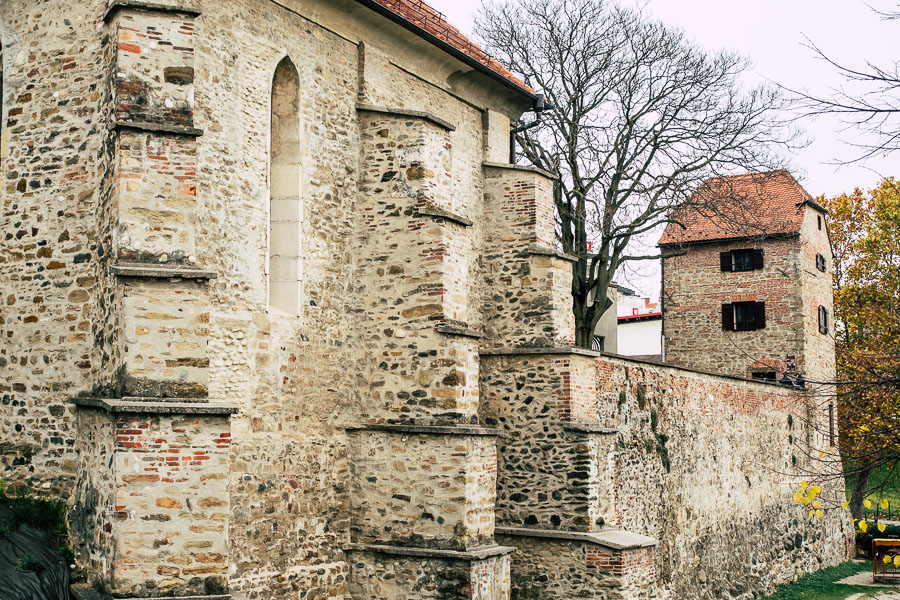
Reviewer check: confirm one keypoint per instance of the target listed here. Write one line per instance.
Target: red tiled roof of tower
(431, 21)
(760, 204)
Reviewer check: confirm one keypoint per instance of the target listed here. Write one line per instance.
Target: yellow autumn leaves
(806, 495)
(864, 525)
(895, 559)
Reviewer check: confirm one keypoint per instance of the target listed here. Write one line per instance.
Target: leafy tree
(865, 235)
(639, 116)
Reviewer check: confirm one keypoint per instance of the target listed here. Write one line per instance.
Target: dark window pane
(744, 316)
(743, 260)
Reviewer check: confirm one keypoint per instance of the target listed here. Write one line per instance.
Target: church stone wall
(134, 270)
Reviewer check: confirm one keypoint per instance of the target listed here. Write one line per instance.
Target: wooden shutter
(759, 315)
(823, 320)
(725, 260)
(757, 258)
(728, 317)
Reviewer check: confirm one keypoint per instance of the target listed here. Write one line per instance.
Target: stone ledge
(477, 554)
(157, 128)
(590, 428)
(536, 250)
(425, 429)
(440, 213)
(160, 406)
(616, 539)
(403, 112)
(458, 330)
(512, 167)
(160, 271)
(116, 5)
(88, 592)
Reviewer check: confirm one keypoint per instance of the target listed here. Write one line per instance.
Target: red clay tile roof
(756, 204)
(427, 19)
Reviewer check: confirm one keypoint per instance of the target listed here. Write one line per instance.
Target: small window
(598, 342)
(832, 438)
(820, 263)
(819, 219)
(764, 375)
(744, 316)
(748, 259)
(823, 320)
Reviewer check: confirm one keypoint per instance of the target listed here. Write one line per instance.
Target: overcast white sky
(771, 33)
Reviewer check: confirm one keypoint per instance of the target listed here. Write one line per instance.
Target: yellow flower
(885, 504)
(863, 526)
(845, 504)
(881, 526)
(867, 503)
(820, 513)
(817, 504)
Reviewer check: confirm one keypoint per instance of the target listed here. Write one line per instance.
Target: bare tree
(868, 100)
(639, 116)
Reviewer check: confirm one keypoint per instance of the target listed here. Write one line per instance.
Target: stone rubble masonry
(789, 284)
(155, 503)
(134, 161)
(426, 490)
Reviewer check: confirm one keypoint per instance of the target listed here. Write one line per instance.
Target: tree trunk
(859, 491)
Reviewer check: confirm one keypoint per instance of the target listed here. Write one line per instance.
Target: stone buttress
(555, 497)
(423, 470)
(151, 501)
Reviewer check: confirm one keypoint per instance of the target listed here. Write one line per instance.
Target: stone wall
(151, 508)
(57, 315)
(704, 464)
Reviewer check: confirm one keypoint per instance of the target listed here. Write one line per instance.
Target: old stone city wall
(333, 445)
(705, 465)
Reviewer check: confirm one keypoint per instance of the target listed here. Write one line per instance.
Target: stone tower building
(749, 293)
(279, 321)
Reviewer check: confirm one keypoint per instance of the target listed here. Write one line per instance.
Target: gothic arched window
(285, 207)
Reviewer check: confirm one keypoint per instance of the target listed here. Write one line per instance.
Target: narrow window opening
(819, 219)
(823, 320)
(820, 263)
(831, 433)
(283, 263)
(598, 342)
(764, 375)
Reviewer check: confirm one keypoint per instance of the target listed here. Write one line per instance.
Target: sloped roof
(755, 204)
(417, 15)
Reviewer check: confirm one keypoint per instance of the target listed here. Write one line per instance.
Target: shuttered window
(743, 316)
(748, 259)
(820, 263)
(823, 320)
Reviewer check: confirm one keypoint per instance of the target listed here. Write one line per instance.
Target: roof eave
(765, 236)
(449, 49)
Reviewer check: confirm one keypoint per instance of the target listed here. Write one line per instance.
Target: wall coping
(116, 5)
(512, 167)
(156, 128)
(85, 591)
(433, 211)
(617, 539)
(425, 429)
(572, 350)
(476, 554)
(403, 112)
(159, 406)
(160, 271)
(536, 250)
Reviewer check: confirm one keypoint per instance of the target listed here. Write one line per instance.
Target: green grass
(885, 484)
(821, 584)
